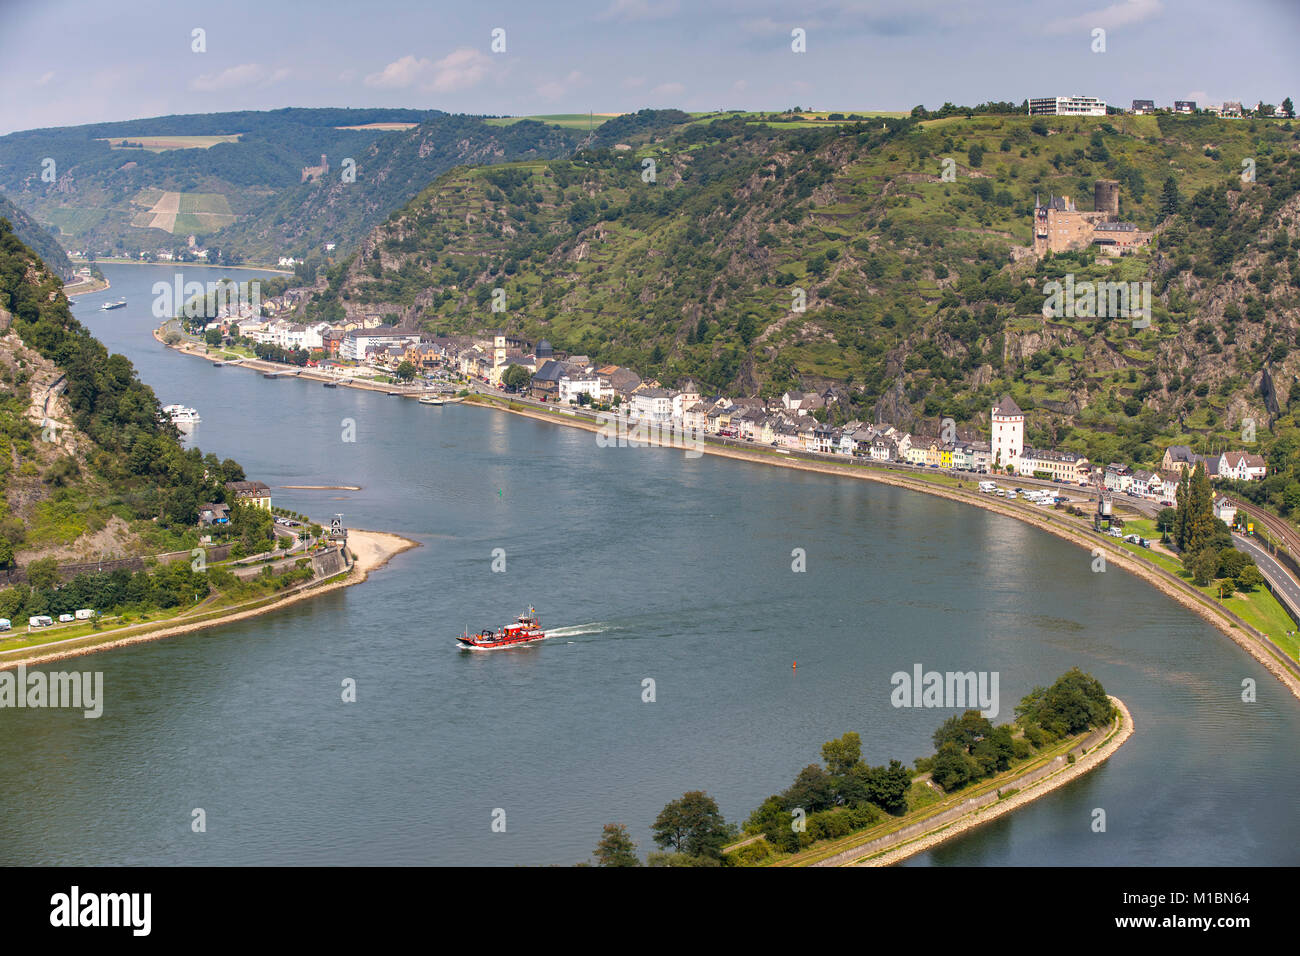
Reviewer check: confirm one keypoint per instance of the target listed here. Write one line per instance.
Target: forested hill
(682, 252)
(389, 172)
(88, 469)
(36, 239)
(235, 180)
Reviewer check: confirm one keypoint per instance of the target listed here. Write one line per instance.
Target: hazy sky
(64, 63)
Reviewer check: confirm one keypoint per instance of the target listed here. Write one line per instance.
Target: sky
(65, 63)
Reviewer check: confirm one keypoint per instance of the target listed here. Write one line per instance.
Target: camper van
(85, 614)
(988, 487)
(41, 620)
(4, 624)
(66, 618)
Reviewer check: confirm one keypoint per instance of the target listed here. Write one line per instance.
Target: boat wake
(595, 627)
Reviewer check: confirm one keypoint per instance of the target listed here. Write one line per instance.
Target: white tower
(1008, 433)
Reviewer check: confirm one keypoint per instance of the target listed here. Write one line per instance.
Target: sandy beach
(371, 550)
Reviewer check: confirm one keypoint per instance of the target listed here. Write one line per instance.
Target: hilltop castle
(1060, 227)
(311, 174)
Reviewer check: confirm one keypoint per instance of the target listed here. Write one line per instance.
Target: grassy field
(73, 222)
(182, 213)
(161, 144)
(386, 127)
(566, 120)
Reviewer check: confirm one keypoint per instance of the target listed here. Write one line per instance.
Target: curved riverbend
(655, 566)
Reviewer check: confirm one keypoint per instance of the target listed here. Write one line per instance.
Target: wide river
(653, 566)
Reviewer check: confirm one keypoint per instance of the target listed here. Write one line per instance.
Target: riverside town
(664, 435)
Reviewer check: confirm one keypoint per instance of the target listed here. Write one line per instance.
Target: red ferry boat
(526, 629)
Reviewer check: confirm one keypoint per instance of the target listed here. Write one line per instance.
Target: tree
(516, 376)
(405, 371)
(840, 755)
(1288, 108)
(964, 731)
(43, 574)
(616, 847)
(1166, 520)
(1075, 702)
(953, 768)
(692, 825)
(887, 787)
(1170, 200)
(1249, 578)
(975, 155)
(813, 790)
(1203, 564)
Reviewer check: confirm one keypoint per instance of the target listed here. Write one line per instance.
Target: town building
(358, 343)
(213, 513)
(1067, 106)
(1008, 432)
(254, 493)
(652, 405)
(1225, 511)
(1240, 466)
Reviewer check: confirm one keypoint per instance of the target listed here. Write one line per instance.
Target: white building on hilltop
(1008, 433)
(1066, 106)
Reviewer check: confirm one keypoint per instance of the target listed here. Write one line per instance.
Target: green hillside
(85, 458)
(921, 295)
(36, 239)
(234, 180)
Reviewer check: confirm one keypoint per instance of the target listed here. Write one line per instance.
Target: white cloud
(399, 74)
(1121, 14)
(634, 82)
(457, 70)
(668, 89)
(45, 78)
(556, 89)
(235, 77)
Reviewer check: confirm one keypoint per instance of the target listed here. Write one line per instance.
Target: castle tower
(1106, 198)
(1008, 433)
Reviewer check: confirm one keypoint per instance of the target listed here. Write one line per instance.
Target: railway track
(1280, 529)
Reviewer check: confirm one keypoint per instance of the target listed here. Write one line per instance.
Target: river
(654, 567)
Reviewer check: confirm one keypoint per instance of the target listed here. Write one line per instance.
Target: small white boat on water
(181, 415)
(432, 400)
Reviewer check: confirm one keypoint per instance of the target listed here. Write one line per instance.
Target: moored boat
(527, 629)
(120, 303)
(181, 415)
